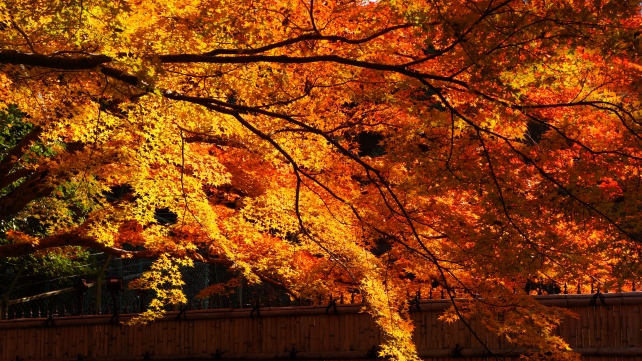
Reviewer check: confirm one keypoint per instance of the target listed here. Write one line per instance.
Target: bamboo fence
(610, 331)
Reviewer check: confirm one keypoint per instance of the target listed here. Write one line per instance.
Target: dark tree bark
(53, 61)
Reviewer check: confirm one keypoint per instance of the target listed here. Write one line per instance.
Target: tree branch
(72, 239)
(306, 37)
(52, 61)
(285, 59)
(14, 176)
(33, 188)
(24, 35)
(215, 140)
(18, 151)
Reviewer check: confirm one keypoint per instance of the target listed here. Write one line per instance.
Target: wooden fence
(602, 332)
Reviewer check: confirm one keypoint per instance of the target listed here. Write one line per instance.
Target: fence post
(240, 291)
(99, 285)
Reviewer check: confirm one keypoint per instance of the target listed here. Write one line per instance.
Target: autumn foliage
(331, 146)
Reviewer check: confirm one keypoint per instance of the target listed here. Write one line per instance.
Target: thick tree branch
(18, 151)
(14, 176)
(72, 239)
(53, 61)
(33, 188)
(67, 239)
(119, 75)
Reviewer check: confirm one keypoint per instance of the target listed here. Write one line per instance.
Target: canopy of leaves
(331, 145)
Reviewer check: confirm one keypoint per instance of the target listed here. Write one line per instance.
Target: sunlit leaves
(473, 145)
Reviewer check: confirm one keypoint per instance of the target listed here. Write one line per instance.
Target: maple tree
(326, 146)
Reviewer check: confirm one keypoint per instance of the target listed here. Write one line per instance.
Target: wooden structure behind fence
(602, 332)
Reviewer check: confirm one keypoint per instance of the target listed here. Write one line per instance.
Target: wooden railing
(601, 332)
